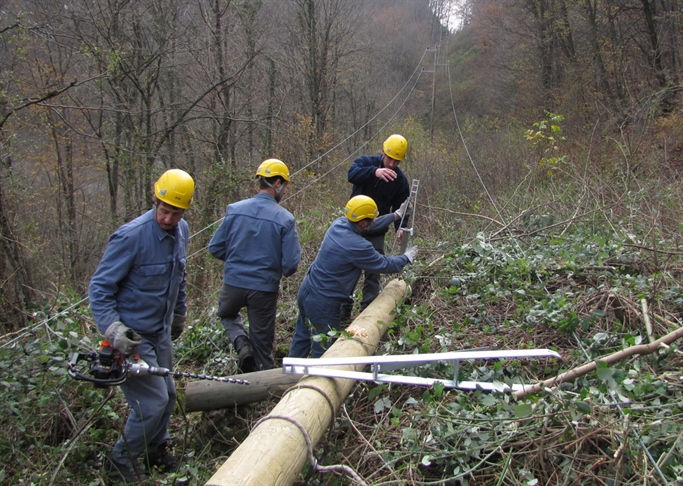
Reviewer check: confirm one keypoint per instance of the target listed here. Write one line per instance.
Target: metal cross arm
(380, 364)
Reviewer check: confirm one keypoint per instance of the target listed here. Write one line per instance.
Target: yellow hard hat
(360, 207)
(396, 147)
(273, 168)
(175, 187)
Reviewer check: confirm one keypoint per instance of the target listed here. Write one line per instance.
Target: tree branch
(35, 101)
(612, 358)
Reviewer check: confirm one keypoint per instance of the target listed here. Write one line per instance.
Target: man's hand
(411, 253)
(385, 174)
(403, 209)
(177, 326)
(122, 338)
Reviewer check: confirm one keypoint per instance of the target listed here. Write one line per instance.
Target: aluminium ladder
(407, 235)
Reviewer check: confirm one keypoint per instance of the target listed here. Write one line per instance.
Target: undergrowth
(583, 293)
(587, 267)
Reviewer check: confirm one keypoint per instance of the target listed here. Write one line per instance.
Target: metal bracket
(380, 364)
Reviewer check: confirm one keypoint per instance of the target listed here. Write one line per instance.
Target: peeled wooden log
(213, 395)
(276, 450)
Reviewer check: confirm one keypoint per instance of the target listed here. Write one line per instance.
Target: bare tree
(18, 284)
(319, 43)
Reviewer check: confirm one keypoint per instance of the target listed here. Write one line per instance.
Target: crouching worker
(137, 296)
(331, 278)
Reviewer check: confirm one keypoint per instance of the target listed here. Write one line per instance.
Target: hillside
(546, 139)
(586, 285)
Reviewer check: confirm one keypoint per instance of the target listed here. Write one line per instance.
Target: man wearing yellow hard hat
(330, 279)
(380, 178)
(137, 297)
(258, 243)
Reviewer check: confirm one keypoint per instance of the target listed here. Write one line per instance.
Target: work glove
(177, 326)
(411, 253)
(403, 209)
(122, 338)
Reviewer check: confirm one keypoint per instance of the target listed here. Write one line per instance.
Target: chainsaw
(108, 367)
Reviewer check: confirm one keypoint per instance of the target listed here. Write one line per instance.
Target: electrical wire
(521, 250)
(23, 332)
(339, 144)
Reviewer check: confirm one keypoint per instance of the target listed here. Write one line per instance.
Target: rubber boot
(245, 355)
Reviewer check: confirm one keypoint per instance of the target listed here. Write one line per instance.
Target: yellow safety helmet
(175, 187)
(396, 147)
(360, 207)
(273, 168)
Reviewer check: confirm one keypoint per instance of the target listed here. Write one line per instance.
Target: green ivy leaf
(583, 407)
(488, 399)
(523, 410)
(382, 404)
(606, 374)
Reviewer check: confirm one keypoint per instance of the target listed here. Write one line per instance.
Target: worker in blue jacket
(380, 178)
(137, 297)
(331, 278)
(258, 243)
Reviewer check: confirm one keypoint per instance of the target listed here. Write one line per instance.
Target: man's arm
(217, 245)
(371, 260)
(381, 223)
(291, 251)
(181, 302)
(104, 285)
(362, 170)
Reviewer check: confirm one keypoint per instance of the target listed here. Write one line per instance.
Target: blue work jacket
(258, 242)
(387, 195)
(140, 280)
(342, 255)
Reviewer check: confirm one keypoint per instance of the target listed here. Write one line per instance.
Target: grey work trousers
(261, 310)
(151, 400)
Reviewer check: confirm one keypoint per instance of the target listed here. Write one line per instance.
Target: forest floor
(588, 289)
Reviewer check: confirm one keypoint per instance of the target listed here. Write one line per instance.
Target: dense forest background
(547, 138)
(98, 98)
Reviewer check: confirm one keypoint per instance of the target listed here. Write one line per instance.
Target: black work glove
(177, 326)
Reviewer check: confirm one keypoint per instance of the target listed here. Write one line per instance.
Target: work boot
(161, 459)
(126, 470)
(245, 355)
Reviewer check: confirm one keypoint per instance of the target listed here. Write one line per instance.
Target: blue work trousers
(151, 400)
(371, 282)
(317, 315)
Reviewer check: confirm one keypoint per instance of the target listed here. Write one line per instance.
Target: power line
(339, 144)
(545, 288)
(24, 332)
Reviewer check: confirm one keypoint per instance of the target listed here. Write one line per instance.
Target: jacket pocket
(153, 277)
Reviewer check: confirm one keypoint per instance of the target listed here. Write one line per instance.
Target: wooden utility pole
(277, 449)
